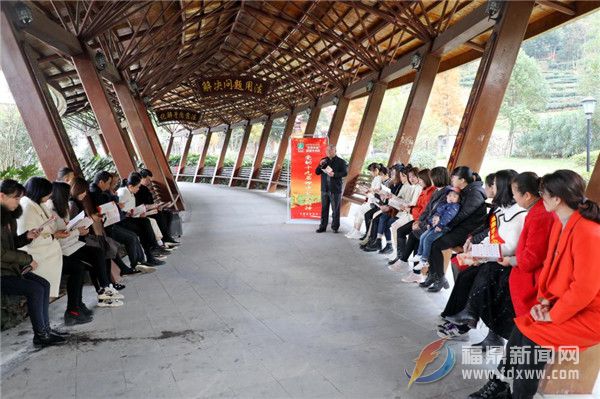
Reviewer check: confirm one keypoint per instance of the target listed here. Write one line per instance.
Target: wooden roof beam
(557, 7)
(46, 31)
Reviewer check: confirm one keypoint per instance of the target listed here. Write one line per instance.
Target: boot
(73, 317)
(369, 243)
(466, 316)
(375, 247)
(491, 340)
(428, 281)
(439, 283)
(43, 339)
(386, 250)
(493, 389)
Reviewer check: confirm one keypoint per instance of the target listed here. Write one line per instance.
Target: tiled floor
(247, 307)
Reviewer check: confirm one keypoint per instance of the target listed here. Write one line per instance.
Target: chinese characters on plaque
(177, 115)
(233, 84)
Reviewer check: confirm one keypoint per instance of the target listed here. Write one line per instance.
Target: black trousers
(143, 229)
(453, 238)
(524, 372)
(407, 242)
(334, 200)
(163, 219)
(74, 268)
(96, 258)
(460, 293)
(131, 242)
(37, 291)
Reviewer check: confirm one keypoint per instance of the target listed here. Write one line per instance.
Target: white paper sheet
(72, 225)
(110, 212)
(486, 251)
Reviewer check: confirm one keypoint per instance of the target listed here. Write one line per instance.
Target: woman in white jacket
(76, 251)
(46, 249)
(377, 171)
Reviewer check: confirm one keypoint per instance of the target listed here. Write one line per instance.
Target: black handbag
(107, 244)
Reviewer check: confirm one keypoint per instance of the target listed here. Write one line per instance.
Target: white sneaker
(354, 234)
(413, 278)
(145, 269)
(110, 303)
(414, 258)
(419, 266)
(109, 293)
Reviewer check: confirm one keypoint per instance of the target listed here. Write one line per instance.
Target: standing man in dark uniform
(332, 169)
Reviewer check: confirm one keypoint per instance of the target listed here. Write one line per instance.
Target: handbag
(107, 244)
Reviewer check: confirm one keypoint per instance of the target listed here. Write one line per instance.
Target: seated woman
(163, 216)
(76, 251)
(384, 228)
(46, 249)
(407, 236)
(98, 236)
(405, 204)
(568, 308)
(477, 291)
(122, 232)
(372, 216)
(472, 214)
(140, 224)
(406, 195)
(17, 267)
(375, 170)
(377, 215)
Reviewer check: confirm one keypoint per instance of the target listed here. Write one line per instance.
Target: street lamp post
(589, 104)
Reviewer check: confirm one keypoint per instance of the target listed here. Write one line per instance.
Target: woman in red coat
(568, 312)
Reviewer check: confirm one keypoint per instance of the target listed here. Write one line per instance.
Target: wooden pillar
(415, 108)
(30, 91)
(142, 141)
(169, 147)
(202, 158)
(105, 114)
(162, 159)
(184, 153)
(221, 160)
(363, 139)
(283, 146)
(491, 81)
(335, 128)
(260, 152)
(593, 187)
(240, 158)
(92, 145)
(313, 118)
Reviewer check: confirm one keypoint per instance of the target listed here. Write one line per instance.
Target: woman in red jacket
(568, 311)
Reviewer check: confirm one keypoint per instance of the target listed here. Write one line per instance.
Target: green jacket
(12, 260)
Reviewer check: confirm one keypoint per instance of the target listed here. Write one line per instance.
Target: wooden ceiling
(305, 49)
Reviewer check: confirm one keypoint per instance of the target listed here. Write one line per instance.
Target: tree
(17, 149)
(445, 101)
(527, 92)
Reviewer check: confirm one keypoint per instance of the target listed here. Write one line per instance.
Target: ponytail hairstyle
(60, 198)
(464, 172)
(476, 176)
(382, 169)
(528, 182)
(134, 179)
(373, 166)
(504, 196)
(570, 188)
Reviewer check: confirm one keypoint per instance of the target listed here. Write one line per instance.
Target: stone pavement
(247, 307)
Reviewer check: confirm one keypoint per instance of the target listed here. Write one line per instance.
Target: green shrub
(96, 164)
(174, 160)
(192, 159)
(20, 174)
(423, 159)
(211, 160)
(580, 158)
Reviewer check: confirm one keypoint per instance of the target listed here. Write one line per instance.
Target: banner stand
(304, 185)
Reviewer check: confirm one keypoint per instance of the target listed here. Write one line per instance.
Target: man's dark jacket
(340, 169)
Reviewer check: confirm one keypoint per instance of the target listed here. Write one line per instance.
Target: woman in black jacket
(471, 215)
(16, 267)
